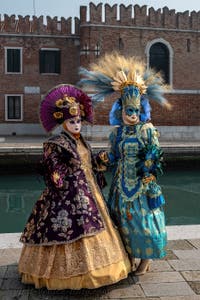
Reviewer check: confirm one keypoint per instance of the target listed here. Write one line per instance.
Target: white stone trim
(140, 27)
(21, 60)
(196, 92)
(21, 107)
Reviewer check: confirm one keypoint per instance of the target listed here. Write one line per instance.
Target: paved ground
(177, 277)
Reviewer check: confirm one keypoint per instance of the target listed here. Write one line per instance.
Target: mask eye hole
(129, 111)
(137, 111)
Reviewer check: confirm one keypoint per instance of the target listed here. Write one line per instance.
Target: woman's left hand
(148, 178)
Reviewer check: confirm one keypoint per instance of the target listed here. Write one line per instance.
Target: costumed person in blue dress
(70, 241)
(135, 200)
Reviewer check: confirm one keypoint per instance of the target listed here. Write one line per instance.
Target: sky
(70, 8)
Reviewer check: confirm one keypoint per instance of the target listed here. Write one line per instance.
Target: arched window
(159, 59)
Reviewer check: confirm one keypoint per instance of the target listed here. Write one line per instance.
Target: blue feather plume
(115, 115)
(155, 88)
(95, 81)
(145, 114)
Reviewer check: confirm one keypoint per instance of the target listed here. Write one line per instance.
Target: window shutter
(49, 61)
(57, 62)
(14, 107)
(13, 60)
(41, 61)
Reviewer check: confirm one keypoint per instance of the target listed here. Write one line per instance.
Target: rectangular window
(49, 61)
(13, 60)
(13, 108)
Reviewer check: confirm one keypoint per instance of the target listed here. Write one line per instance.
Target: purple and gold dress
(69, 240)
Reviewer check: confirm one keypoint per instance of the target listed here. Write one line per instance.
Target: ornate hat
(129, 77)
(64, 102)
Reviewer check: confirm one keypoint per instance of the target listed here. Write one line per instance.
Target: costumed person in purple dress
(135, 200)
(69, 239)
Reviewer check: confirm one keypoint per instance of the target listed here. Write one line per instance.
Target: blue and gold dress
(135, 153)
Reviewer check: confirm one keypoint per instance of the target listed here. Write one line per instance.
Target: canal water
(180, 184)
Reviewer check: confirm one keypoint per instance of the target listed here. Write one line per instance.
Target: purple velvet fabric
(67, 209)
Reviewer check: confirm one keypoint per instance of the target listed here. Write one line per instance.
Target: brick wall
(130, 32)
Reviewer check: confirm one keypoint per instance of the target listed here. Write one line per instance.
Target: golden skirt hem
(91, 280)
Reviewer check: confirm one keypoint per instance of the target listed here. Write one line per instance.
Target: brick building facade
(49, 54)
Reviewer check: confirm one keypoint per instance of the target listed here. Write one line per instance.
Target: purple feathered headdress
(63, 102)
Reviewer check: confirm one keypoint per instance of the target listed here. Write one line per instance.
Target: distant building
(35, 56)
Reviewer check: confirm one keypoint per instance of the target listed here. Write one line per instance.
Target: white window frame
(6, 105)
(6, 63)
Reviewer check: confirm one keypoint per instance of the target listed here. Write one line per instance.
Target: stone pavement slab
(160, 277)
(160, 266)
(9, 256)
(185, 264)
(37, 295)
(195, 286)
(124, 292)
(187, 254)
(12, 284)
(14, 295)
(183, 232)
(167, 289)
(195, 243)
(191, 275)
(180, 245)
(170, 255)
(12, 271)
(2, 271)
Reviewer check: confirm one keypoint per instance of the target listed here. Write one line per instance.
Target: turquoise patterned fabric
(142, 229)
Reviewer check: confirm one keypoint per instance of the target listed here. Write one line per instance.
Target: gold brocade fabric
(89, 262)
